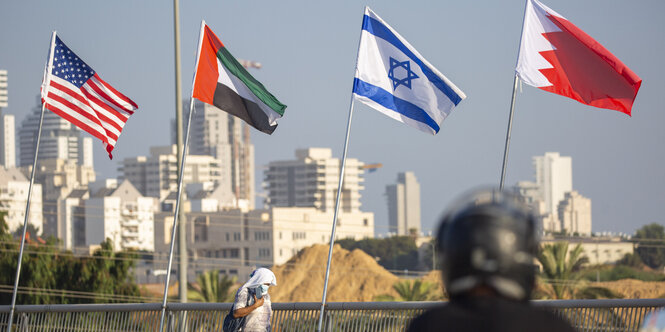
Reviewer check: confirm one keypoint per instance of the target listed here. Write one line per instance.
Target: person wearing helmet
(488, 242)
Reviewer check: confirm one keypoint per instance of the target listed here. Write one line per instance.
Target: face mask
(264, 289)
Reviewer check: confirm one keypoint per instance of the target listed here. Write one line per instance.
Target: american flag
(78, 94)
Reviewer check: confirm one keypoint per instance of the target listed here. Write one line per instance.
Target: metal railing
(585, 315)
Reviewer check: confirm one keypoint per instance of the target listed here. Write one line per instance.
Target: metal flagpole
(512, 106)
(180, 180)
(45, 85)
(510, 128)
(339, 194)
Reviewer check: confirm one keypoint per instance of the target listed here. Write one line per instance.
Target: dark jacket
(488, 314)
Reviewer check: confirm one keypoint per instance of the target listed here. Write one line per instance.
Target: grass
(618, 272)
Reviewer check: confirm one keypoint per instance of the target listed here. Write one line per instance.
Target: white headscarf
(260, 276)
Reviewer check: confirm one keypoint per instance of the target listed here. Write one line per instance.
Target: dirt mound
(354, 276)
(635, 289)
(434, 277)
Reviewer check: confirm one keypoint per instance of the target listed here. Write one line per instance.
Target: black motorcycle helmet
(488, 239)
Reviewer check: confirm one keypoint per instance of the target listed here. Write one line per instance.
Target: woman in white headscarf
(259, 311)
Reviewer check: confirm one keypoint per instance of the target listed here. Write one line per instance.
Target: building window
(299, 235)
(365, 222)
(235, 253)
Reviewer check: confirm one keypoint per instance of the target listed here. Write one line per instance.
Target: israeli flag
(393, 78)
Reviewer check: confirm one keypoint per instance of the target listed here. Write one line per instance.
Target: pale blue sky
(308, 49)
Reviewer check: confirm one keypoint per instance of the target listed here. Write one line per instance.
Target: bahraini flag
(558, 57)
(393, 78)
(223, 82)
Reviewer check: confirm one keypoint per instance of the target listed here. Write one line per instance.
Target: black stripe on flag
(229, 101)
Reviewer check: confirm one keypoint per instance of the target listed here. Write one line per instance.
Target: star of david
(397, 76)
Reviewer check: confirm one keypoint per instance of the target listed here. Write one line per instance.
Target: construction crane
(372, 167)
(250, 64)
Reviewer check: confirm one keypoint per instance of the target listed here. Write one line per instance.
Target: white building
(552, 198)
(60, 139)
(7, 127)
(312, 179)
(575, 214)
(226, 137)
(3, 89)
(554, 175)
(120, 213)
(69, 215)
(235, 242)
(211, 197)
(64, 185)
(599, 250)
(13, 199)
(7, 141)
(404, 204)
(157, 175)
(60, 176)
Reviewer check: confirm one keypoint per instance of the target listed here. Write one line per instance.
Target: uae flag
(221, 81)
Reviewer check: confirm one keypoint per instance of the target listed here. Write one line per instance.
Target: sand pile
(635, 289)
(354, 276)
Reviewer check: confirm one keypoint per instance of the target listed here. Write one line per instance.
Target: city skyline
(615, 156)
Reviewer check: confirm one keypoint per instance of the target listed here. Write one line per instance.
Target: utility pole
(182, 230)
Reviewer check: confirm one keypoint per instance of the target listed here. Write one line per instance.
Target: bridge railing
(585, 315)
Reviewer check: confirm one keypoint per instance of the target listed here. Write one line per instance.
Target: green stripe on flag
(255, 86)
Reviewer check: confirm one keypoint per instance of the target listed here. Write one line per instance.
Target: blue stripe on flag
(377, 28)
(389, 101)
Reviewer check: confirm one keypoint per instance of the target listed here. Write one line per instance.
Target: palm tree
(417, 290)
(560, 265)
(211, 288)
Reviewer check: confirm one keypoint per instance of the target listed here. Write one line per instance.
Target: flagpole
(508, 133)
(180, 180)
(339, 194)
(45, 85)
(512, 105)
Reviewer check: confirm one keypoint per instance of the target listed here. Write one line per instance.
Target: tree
(417, 290)
(50, 276)
(211, 288)
(651, 245)
(632, 260)
(560, 265)
(393, 253)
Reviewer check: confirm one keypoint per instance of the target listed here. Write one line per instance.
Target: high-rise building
(3, 88)
(312, 180)
(60, 139)
(120, 213)
(219, 134)
(404, 204)
(64, 185)
(7, 131)
(157, 175)
(575, 214)
(554, 176)
(7, 141)
(64, 218)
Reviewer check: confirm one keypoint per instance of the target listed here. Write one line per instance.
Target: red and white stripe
(96, 107)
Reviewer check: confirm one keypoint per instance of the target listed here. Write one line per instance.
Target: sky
(308, 51)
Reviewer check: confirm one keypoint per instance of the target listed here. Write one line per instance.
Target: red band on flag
(587, 72)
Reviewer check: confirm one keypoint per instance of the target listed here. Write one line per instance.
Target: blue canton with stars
(68, 66)
(397, 81)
